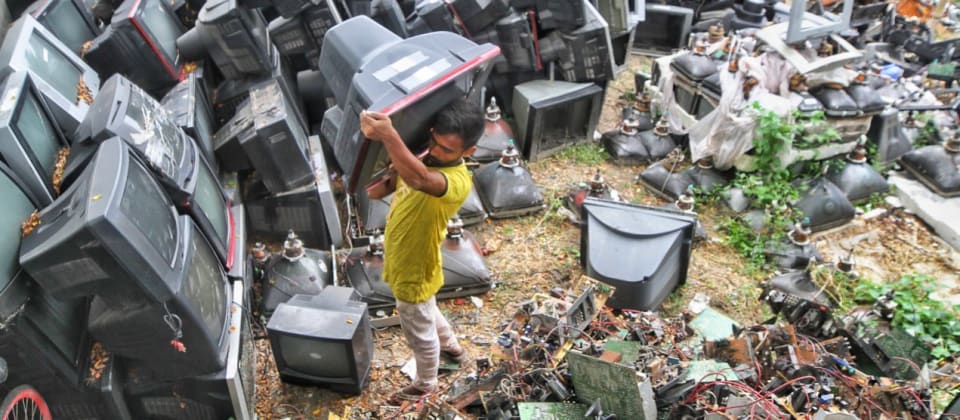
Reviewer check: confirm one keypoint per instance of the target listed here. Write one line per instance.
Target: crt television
(189, 107)
(368, 67)
(67, 82)
(42, 339)
(113, 233)
(235, 37)
(323, 340)
(71, 21)
(664, 30)
(141, 44)
(30, 140)
(551, 115)
(278, 152)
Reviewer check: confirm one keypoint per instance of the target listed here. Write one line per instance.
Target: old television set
(664, 29)
(359, 62)
(141, 44)
(71, 21)
(310, 211)
(230, 93)
(30, 140)
(189, 107)
(323, 340)
(66, 82)
(228, 393)
(588, 55)
(278, 151)
(116, 236)
(551, 115)
(235, 37)
(126, 111)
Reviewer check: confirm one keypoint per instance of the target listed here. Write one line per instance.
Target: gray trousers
(427, 333)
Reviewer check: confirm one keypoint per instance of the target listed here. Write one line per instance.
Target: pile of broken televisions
(564, 355)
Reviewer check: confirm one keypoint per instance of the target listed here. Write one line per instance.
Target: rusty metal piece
(58, 168)
(30, 224)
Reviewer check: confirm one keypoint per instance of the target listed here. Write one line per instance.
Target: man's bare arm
(378, 127)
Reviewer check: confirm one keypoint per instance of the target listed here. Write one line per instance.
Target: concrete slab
(939, 212)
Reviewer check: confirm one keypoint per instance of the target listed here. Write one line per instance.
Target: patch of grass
(748, 243)
(584, 154)
(507, 231)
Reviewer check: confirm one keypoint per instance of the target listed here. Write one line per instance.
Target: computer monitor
(141, 44)
(30, 140)
(664, 30)
(551, 115)
(70, 20)
(235, 37)
(278, 151)
(229, 393)
(196, 315)
(368, 67)
(189, 107)
(66, 82)
(323, 340)
(114, 234)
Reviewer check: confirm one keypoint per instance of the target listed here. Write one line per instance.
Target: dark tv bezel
(18, 156)
(532, 143)
(223, 248)
(350, 384)
(69, 111)
(74, 215)
(135, 16)
(42, 8)
(186, 102)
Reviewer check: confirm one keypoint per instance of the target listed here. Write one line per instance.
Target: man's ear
(469, 152)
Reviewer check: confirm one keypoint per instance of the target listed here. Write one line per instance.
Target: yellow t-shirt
(416, 226)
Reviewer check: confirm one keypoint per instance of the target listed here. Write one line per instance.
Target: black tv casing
(662, 19)
(20, 158)
(85, 245)
(189, 107)
(136, 330)
(643, 252)
(226, 141)
(234, 36)
(310, 211)
(41, 11)
(530, 111)
(230, 93)
(128, 47)
(328, 316)
(69, 111)
(278, 151)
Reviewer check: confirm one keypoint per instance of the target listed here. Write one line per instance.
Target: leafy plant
(930, 320)
(584, 154)
(748, 243)
(814, 130)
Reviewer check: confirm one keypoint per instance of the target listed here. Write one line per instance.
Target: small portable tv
(66, 82)
(30, 140)
(141, 44)
(189, 107)
(368, 67)
(72, 21)
(235, 37)
(228, 393)
(323, 340)
(551, 115)
(664, 30)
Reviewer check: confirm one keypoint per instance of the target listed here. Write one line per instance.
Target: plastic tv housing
(665, 29)
(71, 21)
(235, 37)
(115, 235)
(189, 108)
(323, 340)
(141, 44)
(30, 140)
(551, 115)
(57, 72)
(126, 111)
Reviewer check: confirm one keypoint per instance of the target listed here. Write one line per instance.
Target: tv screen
(209, 208)
(114, 226)
(279, 150)
(57, 71)
(665, 29)
(30, 140)
(552, 115)
(70, 20)
(188, 107)
(328, 359)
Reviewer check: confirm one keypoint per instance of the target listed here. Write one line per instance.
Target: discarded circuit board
(614, 384)
(551, 411)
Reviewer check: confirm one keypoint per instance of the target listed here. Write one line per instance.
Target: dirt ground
(538, 252)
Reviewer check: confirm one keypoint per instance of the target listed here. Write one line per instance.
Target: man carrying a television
(427, 193)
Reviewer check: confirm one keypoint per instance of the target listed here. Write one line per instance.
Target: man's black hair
(462, 118)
